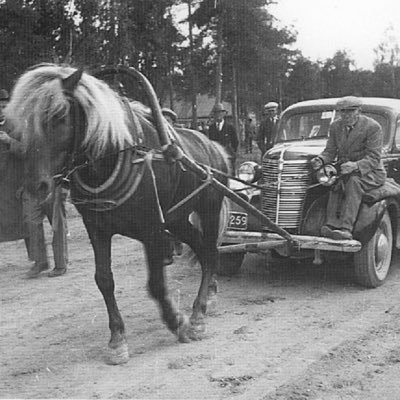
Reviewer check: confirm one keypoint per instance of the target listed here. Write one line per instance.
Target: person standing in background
(223, 132)
(268, 127)
(33, 211)
(169, 115)
(249, 134)
(11, 180)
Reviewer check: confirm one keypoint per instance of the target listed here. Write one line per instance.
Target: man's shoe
(57, 272)
(341, 234)
(35, 271)
(326, 231)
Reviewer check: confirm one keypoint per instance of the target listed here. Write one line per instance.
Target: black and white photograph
(200, 199)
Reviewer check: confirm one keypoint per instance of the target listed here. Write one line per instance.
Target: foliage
(22, 41)
(252, 46)
(303, 82)
(143, 34)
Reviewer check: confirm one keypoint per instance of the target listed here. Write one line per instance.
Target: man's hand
(316, 163)
(4, 138)
(348, 167)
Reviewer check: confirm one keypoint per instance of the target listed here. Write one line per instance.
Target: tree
(336, 75)
(23, 39)
(303, 82)
(254, 50)
(387, 62)
(388, 50)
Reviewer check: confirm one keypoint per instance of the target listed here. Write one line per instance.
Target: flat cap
(218, 107)
(348, 103)
(4, 94)
(170, 113)
(271, 105)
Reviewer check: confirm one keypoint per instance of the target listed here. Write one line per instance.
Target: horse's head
(61, 114)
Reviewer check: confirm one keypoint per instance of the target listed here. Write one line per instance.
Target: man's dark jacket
(11, 180)
(267, 133)
(227, 136)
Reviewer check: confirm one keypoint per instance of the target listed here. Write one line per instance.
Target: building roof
(205, 104)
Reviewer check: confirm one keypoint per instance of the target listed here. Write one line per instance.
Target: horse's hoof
(119, 355)
(184, 329)
(211, 304)
(198, 328)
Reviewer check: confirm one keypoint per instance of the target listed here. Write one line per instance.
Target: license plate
(237, 220)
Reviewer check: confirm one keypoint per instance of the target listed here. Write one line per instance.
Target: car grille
(285, 184)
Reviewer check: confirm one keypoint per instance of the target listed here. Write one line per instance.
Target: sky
(325, 26)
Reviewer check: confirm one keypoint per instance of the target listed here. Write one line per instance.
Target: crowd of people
(220, 128)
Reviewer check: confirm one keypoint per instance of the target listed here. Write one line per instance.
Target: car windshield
(313, 124)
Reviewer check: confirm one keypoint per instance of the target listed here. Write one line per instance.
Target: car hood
(297, 149)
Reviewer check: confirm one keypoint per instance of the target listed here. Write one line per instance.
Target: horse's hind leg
(207, 253)
(105, 282)
(176, 321)
(204, 246)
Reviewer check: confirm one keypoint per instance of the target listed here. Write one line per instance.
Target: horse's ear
(70, 82)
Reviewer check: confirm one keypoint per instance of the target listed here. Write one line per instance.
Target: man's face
(270, 113)
(219, 115)
(3, 104)
(350, 116)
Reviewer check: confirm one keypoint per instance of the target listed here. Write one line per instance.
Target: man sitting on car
(355, 142)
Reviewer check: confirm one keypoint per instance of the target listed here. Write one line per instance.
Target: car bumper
(258, 242)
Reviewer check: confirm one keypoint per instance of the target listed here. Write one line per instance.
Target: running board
(255, 242)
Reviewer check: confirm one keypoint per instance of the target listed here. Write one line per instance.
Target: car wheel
(230, 263)
(372, 262)
(223, 220)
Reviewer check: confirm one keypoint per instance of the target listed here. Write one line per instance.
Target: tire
(223, 220)
(230, 263)
(372, 262)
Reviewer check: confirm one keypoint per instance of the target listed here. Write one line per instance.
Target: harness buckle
(61, 180)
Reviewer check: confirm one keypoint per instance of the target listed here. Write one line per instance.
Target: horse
(74, 125)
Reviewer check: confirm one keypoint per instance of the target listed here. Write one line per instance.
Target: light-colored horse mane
(38, 96)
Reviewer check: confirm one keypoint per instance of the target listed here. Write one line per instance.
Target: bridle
(76, 159)
(123, 180)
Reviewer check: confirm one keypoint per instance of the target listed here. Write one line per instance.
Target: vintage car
(294, 197)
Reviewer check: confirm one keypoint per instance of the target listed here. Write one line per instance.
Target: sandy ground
(278, 332)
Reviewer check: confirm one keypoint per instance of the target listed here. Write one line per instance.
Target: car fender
(368, 219)
(314, 217)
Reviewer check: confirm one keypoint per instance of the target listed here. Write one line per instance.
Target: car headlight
(327, 175)
(249, 172)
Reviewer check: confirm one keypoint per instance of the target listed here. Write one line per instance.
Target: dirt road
(277, 332)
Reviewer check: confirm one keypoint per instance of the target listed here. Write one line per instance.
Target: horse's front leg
(178, 323)
(118, 345)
